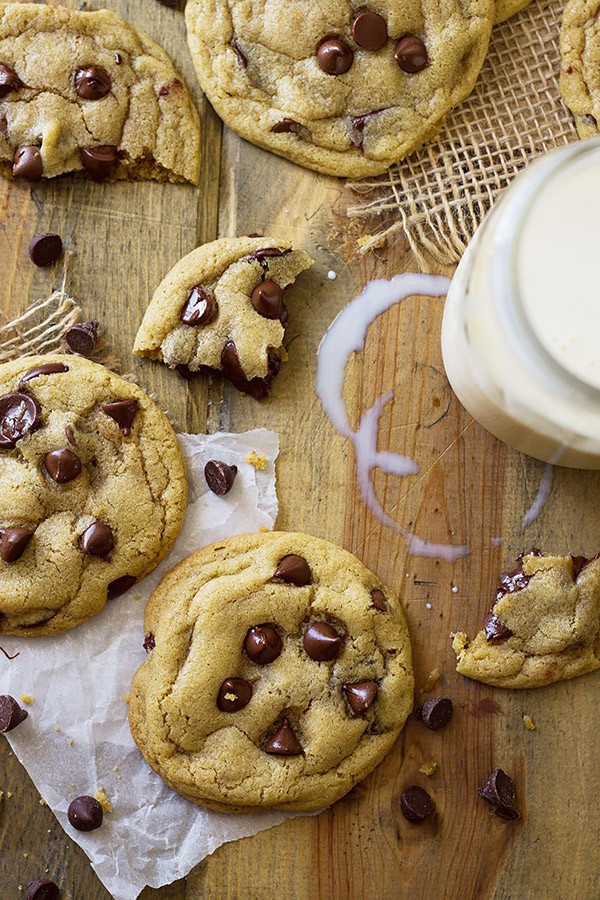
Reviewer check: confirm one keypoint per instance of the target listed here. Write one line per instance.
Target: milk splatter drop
(541, 497)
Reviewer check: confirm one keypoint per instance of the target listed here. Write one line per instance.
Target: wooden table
(470, 489)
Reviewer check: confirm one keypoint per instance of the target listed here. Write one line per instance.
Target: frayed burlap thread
(40, 329)
(439, 195)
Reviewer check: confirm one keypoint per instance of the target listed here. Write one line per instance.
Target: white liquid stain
(346, 335)
(541, 497)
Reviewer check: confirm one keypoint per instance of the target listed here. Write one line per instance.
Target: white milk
(521, 328)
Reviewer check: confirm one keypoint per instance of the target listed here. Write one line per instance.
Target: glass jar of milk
(521, 328)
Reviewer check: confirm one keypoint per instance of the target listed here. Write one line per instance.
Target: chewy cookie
(580, 69)
(223, 307)
(279, 674)
(341, 87)
(93, 491)
(543, 627)
(85, 91)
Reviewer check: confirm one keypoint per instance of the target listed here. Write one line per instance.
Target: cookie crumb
(529, 723)
(42, 802)
(459, 641)
(9, 794)
(103, 800)
(27, 698)
(70, 742)
(57, 728)
(431, 681)
(429, 768)
(258, 460)
(264, 529)
(125, 698)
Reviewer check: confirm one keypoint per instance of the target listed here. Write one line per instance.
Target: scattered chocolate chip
(495, 629)
(62, 465)
(219, 476)
(334, 56)
(45, 369)
(97, 540)
(499, 789)
(263, 644)
(321, 641)
(9, 81)
(99, 162)
(13, 542)
(120, 586)
(45, 249)
(370, 30)
(264, 253)
(233, 43)
(200, 307)
(82, 337)
(378, 600)
(293, 569)
(411, 54)
(234, 694)
(92, 82)
(267, 299)
(85, 813)
(20, 414)
(287, 126)
(284, 742)
(27, 163)
(361, 695)
(149, 643)
(42, 890)
(232, 370)
(416, 804)
(123, 412)
(436, 713)
(11, 713)
(118, 59)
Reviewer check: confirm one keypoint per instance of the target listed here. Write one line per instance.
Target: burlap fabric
(439, 195)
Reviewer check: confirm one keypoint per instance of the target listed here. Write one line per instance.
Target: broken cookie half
(543, 627)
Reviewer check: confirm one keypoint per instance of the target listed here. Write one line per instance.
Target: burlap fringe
(41, 328)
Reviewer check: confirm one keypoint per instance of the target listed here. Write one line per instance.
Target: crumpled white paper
(78, 681)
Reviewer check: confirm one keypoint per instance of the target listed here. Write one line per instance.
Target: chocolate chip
(357, 135)
(27, 163)
(284, 742)
(123, 412)
(234, 694)
(233, 43)
(171, 88)
(232, 370)
(579, 564)
(293, 569)
(592, 120)
(286, 126)
(42, 890)
(264, 253)
(82, 337)
(13, 542)
(416, 804)
(219, 476)
(321, 641)
(85, 813)
(120, 586)
(262, 644)
(45, 249)
(436, 713)
(11, 713)
(185, 372)
(200, 307)
(97, 540)
(45, 369)
(378, 600)
(20, 414)
(370, 30)
(511, 582)
(411, 54)
(9, 81)
(62, 465)
(361, 695)
(149, 643)
(118, 59)
(495, 629)
(99, 162)
(499, 789)
(334, 56)
(92, 82)
(267, 299)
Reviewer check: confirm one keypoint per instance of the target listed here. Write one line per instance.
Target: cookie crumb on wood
(529, 723)
(428, 768)
(258, 460)
(431, 680)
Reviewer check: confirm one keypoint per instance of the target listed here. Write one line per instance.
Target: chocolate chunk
(92, 82)
(267, 299)
(62, 465)
(284, 742)
(321, 641)
(200, 307)
(293, 569)
(264, 253)
(42, 890)
(411, 54)
(185, 372)
(286, 126)
(85, 813)
(334, 56)
(11, 713)
(579, 564)
(82, 337)
(120, 586)
(45, 369)
(123, 412)
(20, 414)
(499, 789)
(99, 162)
(378, 599)
(9, 81)
(97, 540)
(361, 695)
(13, 542)
(233, 43)
(219, 476)
(263, 644)
(370, 30)
(436, 713)
(45, 249)
(234, 694)
(232, 369)
(27, 163)
(511, 582)
(416, 804)
(149, 643)
(495, 629)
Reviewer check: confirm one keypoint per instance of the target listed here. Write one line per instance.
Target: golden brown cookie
(580, 68)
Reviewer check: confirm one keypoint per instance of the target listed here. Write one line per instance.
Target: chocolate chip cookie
(341, 87)
(278, 674)
(543, 627)
(223, 307)
(86, 92)
(580, 68)
(93, 491)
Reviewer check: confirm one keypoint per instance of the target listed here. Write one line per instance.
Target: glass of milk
(521, 327)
